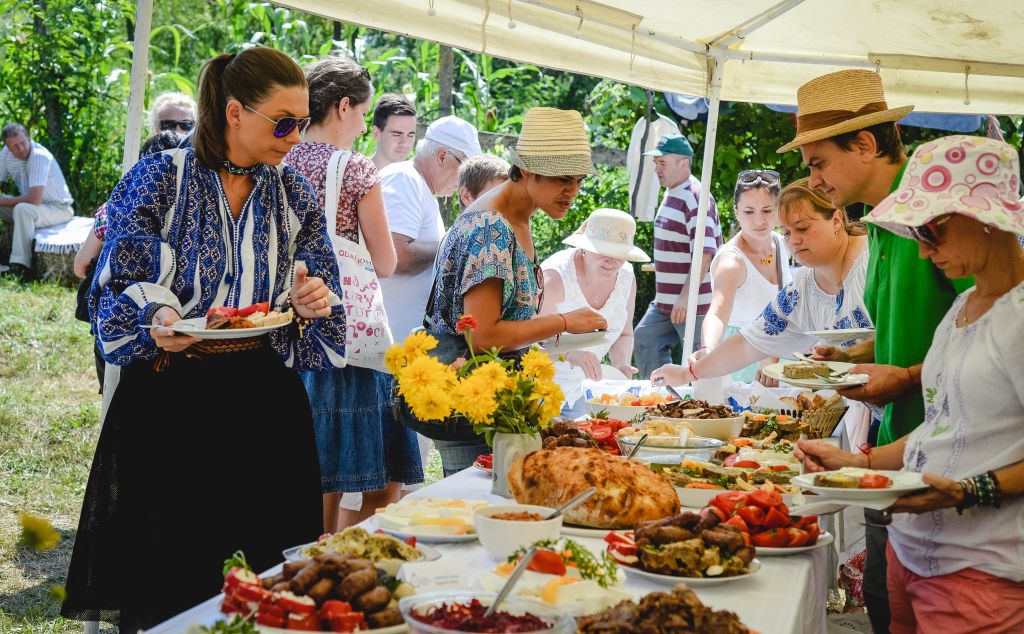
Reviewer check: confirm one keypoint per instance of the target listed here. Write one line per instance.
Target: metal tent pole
(139, 81)
(697, 247)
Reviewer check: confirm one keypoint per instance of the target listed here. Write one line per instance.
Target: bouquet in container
(496, 395)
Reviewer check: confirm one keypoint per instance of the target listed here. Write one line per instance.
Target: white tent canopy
(938, 55)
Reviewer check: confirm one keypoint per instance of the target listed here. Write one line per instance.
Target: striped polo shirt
(675, 229)
(40, 169)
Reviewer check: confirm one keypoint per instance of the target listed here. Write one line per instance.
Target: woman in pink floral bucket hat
(961, 537)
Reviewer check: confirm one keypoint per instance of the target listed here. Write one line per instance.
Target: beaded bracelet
(981, 490)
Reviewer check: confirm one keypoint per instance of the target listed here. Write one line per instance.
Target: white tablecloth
(786, 595)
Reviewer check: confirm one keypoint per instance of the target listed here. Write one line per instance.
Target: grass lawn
(49, 424)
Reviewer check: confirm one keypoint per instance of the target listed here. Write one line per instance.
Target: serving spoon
(577, 499)
(514, 577)
(636, 448)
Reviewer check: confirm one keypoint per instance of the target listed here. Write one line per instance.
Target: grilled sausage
(321, 590)
(373, 600)
(305, 578)
(356, 583)
(270, 582)
(292, 568)
(385, 618)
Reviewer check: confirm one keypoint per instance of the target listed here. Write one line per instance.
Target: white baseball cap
(455, 133)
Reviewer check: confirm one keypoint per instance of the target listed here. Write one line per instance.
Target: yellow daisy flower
(418, 343)
(395, 358)
(492, 373)
(474, 397)
(430, 404)
(422, 373)
(536, 364)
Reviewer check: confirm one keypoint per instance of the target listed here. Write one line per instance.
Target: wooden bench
(54, 249)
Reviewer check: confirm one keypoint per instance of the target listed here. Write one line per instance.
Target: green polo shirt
(907, 296)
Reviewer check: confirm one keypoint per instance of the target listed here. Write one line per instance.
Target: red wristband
(866, 450)
(692, 373)
(565, 323)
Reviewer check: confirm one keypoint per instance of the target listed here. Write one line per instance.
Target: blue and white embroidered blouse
(191, 254)
(801, 306)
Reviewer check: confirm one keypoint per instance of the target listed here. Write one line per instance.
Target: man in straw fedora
(675, 240)
(847, 135)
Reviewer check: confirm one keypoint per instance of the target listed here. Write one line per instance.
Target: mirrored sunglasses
(284, 126)
(757, 177)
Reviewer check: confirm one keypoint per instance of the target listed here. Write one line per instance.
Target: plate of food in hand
(485, 463)
(567, 342)
(700, 549)
(225, 322)
(430, 520)
(815, 374)
(859, 487)
(765, 522)
(386, 551)
(330, 592)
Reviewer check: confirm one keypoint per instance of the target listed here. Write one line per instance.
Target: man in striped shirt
(675, 228)
(44, 199)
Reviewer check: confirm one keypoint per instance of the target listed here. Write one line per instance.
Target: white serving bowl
(422, 603)
(697, 447)
(717, 428)
(621, 412)
(501, 538)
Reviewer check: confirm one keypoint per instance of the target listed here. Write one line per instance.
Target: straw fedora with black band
(839, 102)
(553, 142)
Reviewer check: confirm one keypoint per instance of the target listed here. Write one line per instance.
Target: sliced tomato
(728, 502)
(813, 532)
(780, 467)
(746, 464)
(752, 516)
(738, 522)
(776, 519)
(271, 620)
(332, 608)
(600, 433)
(411, 540)
(304, 622)
(261, 307)
(874, 481)
(625, 560)
(584, 425)
(771, 539)
(249, 592)
(797, 537)
(232, 604)
(273, 608)
(731, 460)
(615, 538)
(348, 622)
(548, 562)
(765, 499)
(805, 521)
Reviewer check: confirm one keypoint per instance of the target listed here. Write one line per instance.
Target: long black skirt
(211, 455)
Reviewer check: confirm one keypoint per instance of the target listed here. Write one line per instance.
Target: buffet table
(786, 595)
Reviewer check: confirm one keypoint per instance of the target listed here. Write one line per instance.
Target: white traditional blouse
(801, 306)
(973, 385)
(188, 252)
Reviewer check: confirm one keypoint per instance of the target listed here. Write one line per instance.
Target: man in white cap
(410, 190)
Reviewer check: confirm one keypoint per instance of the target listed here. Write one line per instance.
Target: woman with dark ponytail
(208, 445)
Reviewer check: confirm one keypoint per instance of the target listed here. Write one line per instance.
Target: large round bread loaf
(627, 492)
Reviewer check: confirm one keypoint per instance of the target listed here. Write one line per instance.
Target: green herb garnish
(236, 560)
(601, 569)
(237, 625)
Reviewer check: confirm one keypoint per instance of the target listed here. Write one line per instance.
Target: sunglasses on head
(769, 178)
(928, 233)
(538, 275)
(185, 125)
(284, 126)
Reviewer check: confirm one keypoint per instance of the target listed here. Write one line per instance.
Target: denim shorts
(360, 444)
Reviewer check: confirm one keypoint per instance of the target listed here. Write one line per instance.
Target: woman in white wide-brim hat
(962, 536)
(596, 273)
(487, 266)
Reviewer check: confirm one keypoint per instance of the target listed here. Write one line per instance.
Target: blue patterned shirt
(191, 254)
(480, 245)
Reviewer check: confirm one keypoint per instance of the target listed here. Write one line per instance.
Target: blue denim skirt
(360, 444)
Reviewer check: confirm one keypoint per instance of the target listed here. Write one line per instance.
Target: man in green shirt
(848, 138)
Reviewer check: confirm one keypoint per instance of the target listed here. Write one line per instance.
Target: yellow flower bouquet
(493, 394)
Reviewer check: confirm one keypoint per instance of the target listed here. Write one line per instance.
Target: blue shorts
(360, 444)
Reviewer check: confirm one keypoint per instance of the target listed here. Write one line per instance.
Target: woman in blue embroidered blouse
(207, 446)
(487, 266)
(826, 294)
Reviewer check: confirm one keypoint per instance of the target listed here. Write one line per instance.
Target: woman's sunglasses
(538, 275)
(750, 178)
(284, 126)
(928, 233)
(185, 125)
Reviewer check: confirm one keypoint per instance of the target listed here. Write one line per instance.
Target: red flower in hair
(466, 322)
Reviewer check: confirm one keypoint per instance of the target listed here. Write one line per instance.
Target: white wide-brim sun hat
(608, 232)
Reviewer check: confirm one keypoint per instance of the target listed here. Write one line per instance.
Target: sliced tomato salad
(764, 519)
(603, 431)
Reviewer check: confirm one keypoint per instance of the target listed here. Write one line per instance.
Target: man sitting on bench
(44, 198)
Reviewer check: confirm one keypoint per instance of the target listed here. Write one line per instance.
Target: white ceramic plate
(425, 539)
(295, 552)
(904, 483)
(839, 336)
(699, 498)
(693, 582)
(620, 412)
(483, 468)
(823, 540)
(850, 380)
(567, 342)
(584, 531)
(197, 328)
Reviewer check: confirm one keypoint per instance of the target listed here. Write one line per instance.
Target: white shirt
(801, 306)
(973, 386)
(647, 202)
(40, 169)
(756, 291)
(412, 211)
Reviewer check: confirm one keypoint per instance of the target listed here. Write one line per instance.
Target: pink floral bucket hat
(968, 175)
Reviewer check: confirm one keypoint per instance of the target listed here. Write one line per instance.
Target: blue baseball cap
(671, 144)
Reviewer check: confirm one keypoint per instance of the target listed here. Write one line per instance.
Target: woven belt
(213, 346)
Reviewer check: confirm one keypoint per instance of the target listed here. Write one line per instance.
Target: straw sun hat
(840, 102)
(968, 175)
(608, 232)
(553, 142)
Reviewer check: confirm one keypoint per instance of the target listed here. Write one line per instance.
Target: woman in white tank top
(746, 271)
(596, 273)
